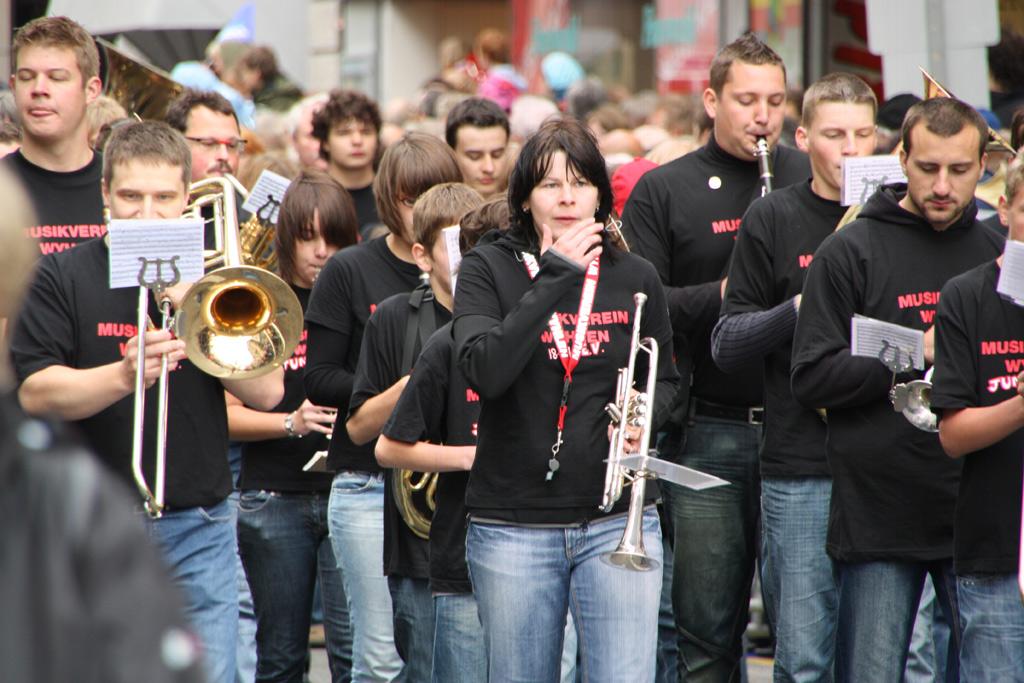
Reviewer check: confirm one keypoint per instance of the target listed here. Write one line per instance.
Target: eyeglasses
(211, 144)
(408, 202)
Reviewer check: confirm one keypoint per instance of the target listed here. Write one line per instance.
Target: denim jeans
(878, 603)
(800, 581)
(929, 638)
(198, 545)
(413, 607)
(285, 545)
(715, 546)
(356, 516)
(459, 652)
(524, 578)
(992, 621)
(245, 656)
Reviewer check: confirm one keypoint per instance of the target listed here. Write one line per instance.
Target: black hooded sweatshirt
(894, 489)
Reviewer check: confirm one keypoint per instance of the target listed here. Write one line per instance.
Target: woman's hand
(580, 243)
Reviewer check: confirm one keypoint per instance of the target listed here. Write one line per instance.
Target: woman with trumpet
(543, 322)
(283, 536)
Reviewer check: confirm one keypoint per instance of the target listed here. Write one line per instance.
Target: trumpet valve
(613, 410)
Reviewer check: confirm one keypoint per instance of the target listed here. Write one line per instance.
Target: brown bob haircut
(440, 207)
(313, 194)
(64, 33)
(945, 117)
(491, 215)
(410, 166)
(747, 49)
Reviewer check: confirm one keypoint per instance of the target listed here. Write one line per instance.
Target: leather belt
(750, 415)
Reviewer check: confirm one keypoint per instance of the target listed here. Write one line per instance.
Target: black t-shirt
(498, 311)
(683, 218)
(72, 318)
(366, 210)
(774, 246)
(438, 406)
(276, 464)
(346, 292)
(68, 206)
(979, 351)
(380, 366)
(894, 488)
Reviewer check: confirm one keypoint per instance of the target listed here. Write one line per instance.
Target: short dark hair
(344, 105)
(583, 156)
(491, 215)
(836, 87)
(60, 32)
(410, 166)
(477, 112)
(945, 117)
(154, 142)
(1006, 60)
(182, 106)
(262, 59)
(747, 49)
(1017, 129)
(313, 192)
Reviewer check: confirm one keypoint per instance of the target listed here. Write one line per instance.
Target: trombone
(238, 322)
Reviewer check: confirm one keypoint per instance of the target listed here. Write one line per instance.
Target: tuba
(238, 321)
(414, 498)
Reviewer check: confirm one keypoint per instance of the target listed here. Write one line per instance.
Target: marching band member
(977, 392)
(774, 246)
(283, 536)
(893, 490)
(543, 320)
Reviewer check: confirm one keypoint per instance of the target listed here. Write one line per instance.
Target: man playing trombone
(75, 350)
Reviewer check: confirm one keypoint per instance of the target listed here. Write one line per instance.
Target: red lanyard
(569, 358)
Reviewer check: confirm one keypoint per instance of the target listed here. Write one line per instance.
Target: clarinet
(764, 164)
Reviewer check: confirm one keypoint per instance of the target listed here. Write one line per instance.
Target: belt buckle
(755, 416)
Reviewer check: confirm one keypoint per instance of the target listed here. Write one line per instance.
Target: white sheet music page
(869, 337)
(161, 245)
(1011, 275)
(863, 175)
(450, 235)
(265, 198)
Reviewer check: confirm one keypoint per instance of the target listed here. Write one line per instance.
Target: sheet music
(450, 235)
(868, 337)
(160, 242)
(863, 175)
(1011, 275)
(265, 198)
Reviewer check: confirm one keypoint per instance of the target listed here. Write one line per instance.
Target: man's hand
(580, 243)
(158, 342)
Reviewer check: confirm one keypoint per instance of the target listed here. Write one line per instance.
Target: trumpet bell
(239, 322)
(913, 399)
(626, 557)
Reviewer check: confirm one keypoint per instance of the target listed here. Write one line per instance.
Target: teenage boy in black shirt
(977, 392)
(477, 129)
(348, 128)
(893, 490)
(382, 364)
(433, 429)
(56, 75)
(683, 218)
(351, 285)
(75, 352)
(773, 249)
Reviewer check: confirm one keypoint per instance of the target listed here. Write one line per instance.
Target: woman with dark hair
(283, 535)
(543, 321)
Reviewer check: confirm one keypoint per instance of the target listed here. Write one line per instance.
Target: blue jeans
(285, 545)
(459, 652)
(715, 546)
(992, 621)
(245, 656)
(801, 584)
(929, 637)
(524, 578)
(356, 517)
(878, 604)
(198, 545)
(414, 625)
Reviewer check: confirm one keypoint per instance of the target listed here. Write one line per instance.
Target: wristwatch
(289, 424)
